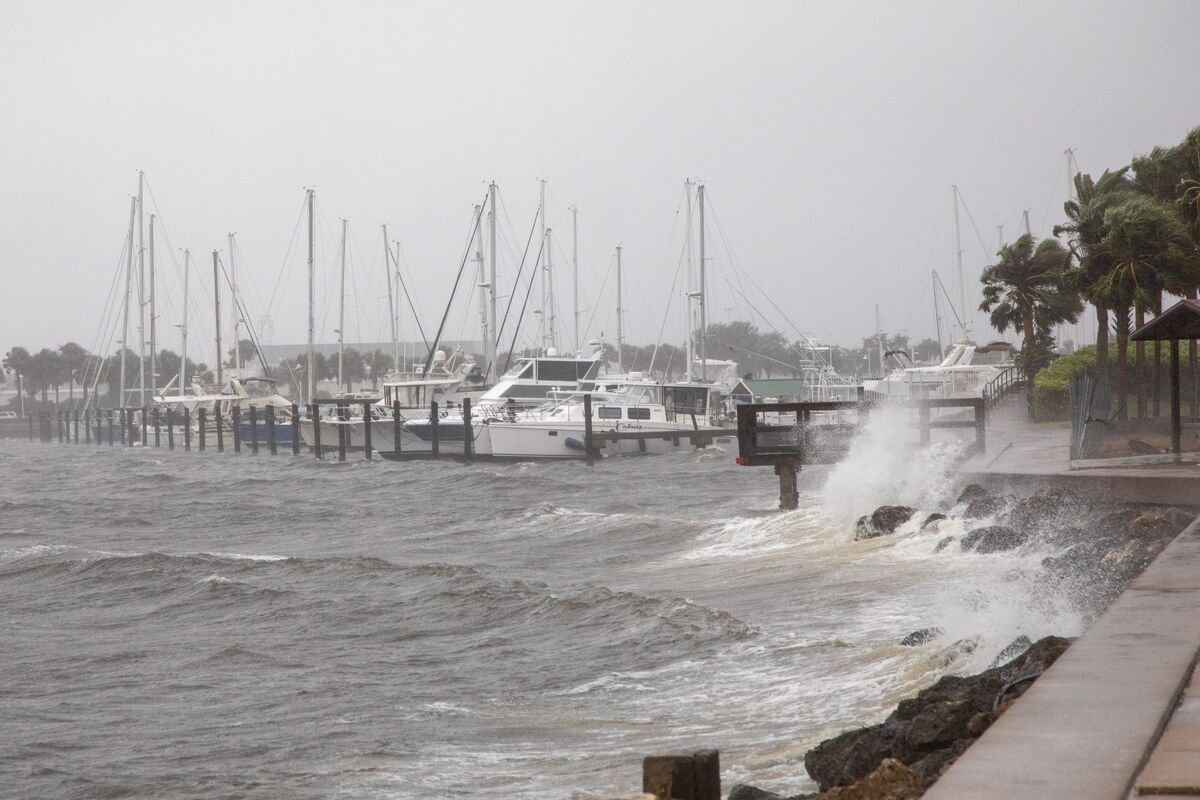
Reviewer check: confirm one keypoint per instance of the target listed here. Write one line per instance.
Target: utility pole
(153, 338)
(217, 312)
(312, 330)
(620, 327)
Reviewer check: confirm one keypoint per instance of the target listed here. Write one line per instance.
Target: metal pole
(187, 262)
(233, 293)
(575, 280)
(342, 310)
(141, 293)
(620, 327)
(128, 280)
(217, 311)
(703, 287)
(392, 302)
(484, 335)
(312, 330)
(962, 291)
(492, 321)
(153, 326)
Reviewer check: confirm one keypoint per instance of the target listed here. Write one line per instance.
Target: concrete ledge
(1087, 726)
(1121, 486)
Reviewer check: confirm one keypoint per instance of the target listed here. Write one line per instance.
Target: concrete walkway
(1090, 727)
(1023, 456)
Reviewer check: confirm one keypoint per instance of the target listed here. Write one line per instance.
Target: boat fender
(574, 443)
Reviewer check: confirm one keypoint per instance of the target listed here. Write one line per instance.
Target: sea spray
(883, 466)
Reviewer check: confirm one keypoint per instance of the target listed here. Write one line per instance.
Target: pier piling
(315, 416)
(253, 430)
(295, 429)
(170, 429)
(87, 428)
(145, 423)
(433, 428)
(396, 426)
(468, 439)
(76, 427)
(271, 444)
(693, 776)
(200, 413)
(587, 430)
(220, 429)
(111, 437)
(187, 429)
(367, 428)
(342, 417)
(235, 425)
(156, 427)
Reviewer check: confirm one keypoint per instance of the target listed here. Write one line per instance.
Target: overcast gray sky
(828, 136)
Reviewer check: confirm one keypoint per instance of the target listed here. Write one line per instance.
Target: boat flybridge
(963, 373)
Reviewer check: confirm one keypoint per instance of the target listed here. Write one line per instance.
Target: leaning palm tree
(1028, 289)
(1149, 250)
(1085, 232)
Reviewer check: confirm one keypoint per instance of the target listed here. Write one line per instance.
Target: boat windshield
(635, 394)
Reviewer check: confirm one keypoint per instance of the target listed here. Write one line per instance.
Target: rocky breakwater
(1092, 552)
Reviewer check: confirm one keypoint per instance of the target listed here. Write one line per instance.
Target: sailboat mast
(492, 321)
(958, 255)
(687, 292)
(217, 312)
(342, 310)
(937, 316)
(575, 281)
(481, 283)
(141, 293)
(387, 268)
(187, 263)
(237, 317)
(551, 345)
(128, 280)
(312, 280)
(620, 327)
(399, 286)
(153, 338)
(542, 261)
(703, 286)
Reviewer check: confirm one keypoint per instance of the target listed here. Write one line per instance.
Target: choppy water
(179, 625)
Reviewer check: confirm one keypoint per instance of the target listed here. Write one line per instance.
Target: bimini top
(1180, 321)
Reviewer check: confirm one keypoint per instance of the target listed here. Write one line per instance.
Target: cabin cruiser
(963, 373)
(218, 404)
(557, 429)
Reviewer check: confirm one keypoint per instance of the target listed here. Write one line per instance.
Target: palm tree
(1149, 250)
(1085, 236)
(1027, 288)
(74, 361)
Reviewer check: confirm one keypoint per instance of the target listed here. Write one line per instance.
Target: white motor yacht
(963, 373)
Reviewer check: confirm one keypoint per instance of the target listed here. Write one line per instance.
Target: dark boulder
(982, 507)
(927, 731)
(972, 491)
(932, 519)
(890, 781)
(943, 544)
(921, 636)
(993, 539)
(742, 791)
(1159, 523)
(885, 520)
(1015, 648)
(1036, 511)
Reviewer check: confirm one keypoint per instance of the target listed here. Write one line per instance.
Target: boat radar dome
(551, 352)
(439, 355)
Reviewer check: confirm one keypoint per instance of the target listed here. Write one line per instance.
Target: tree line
(1132, 237)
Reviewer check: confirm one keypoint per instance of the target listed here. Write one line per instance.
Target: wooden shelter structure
(1180, 322)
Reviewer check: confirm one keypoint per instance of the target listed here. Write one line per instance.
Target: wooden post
(923, 420)
(468, 438)
(367, 430)
(433, 428)
(254, 430)
(170, 429)
(58, 414)
(295, 429)
(789, 497)
(694, 776)
(220, 423)
(314, 413)
(110, 428)
(980, 426)
(124, 424)
(235, 425)
(87, 427)
(77, 426)
(588, 454)
(200, 412)
(343, 417)
(396, 427)
(1176, 402)
(187, 429)
(271, 444)
(156, 427)
(145, 423)
(100, 427)
(30, 427)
